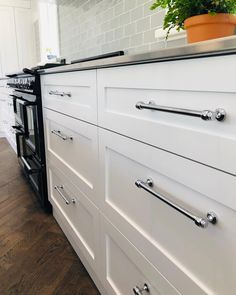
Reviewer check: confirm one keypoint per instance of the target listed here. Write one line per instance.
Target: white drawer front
(73, 94)
(72, 145)
(125, 268)
(78, 212)
(209, 142)
(198, 261)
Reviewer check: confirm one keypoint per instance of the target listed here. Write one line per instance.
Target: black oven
(28, 126)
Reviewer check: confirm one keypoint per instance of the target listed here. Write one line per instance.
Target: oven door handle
(25, 102)
(30, 170)
(17, 97)
(16, 127)
(18, 130)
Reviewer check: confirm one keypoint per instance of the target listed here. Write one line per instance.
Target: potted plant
(202, 19)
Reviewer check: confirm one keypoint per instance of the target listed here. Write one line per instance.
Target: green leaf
(179, 10)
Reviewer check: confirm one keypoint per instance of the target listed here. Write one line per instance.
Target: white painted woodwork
(81, 85)
(194, 257)
(7, 117)
(81, 216)
(202, 85)
(77, 158)
(124, 267)
(8, 50)
(16, 3)
(25, 38)
(65, 226)
(17, 49)
(139, 238)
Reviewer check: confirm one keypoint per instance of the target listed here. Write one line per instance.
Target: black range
(27, 103)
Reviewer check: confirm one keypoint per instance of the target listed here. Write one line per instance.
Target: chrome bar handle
(59, 93)
(206, 115)
(199, 221)
(59, 134)
(58, 188)
(139, 291)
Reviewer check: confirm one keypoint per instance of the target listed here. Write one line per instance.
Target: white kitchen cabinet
(73, 146)
(190, 257)
(126, 161)
(78, 212)
(17, 49)
(73, 94)
(197, 88)
(2, 134)
(25, 38)
(125, 269)
(8, 49)
(7, 117)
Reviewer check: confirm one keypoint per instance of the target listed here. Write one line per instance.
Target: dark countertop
(215, 47)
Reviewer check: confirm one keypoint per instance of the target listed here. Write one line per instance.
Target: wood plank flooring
(35, 256)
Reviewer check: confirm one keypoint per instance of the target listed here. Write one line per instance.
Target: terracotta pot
(205, 27)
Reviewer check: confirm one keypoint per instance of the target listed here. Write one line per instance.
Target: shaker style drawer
(156, 105)
(160, 202)
(72, 145)
(79, 214)
(125, 270)
(73, 94)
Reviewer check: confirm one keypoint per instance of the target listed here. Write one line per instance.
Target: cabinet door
(25, 39)
(195, 260)
(79, 215)
(72, 146)
(125, 270)
(73, 94)
(8, 48)
(160, 87)
(1, 115)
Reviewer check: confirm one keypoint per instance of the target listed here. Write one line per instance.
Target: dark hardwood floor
(35, 256)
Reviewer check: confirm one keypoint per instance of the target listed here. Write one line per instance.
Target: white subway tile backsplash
(137, 13)
(157, 19)
(130, 29)
(143, 25)
(125, 18)
(119, 8)
(119, 33)
(130, 4)
(136, 40)
(92, 27)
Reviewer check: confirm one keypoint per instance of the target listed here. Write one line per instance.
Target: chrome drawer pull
(58, 188)
(139, 291)
(59, 134)
(199, 221)
(206, 115)
(59, 93)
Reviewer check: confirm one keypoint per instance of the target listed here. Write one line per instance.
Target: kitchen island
(141, 168)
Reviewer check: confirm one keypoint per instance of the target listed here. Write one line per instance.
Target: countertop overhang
(214, 47)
